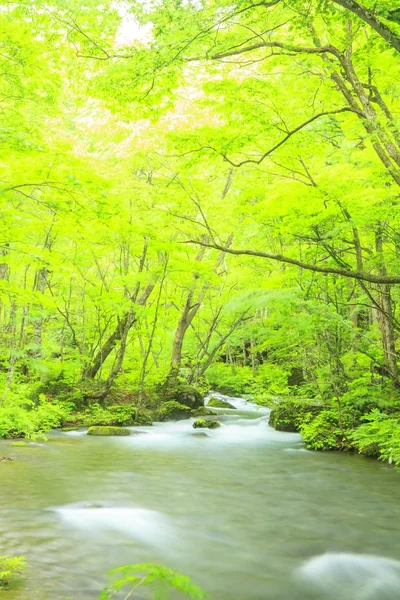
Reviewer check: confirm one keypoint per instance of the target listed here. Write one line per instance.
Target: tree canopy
(200, 187)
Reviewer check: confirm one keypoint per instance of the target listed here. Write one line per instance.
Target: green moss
(202, 412)
(204, 424)
(19, 444)
(289, 415)
(219, 403)
(200, 423)
(107, 430)
(172, 411)
(68, 428)
(175, 389)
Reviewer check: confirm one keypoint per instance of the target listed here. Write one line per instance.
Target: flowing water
(245, 510)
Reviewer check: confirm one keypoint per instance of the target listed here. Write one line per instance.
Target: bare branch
(360, 275)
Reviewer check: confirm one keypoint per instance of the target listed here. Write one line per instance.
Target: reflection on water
(245, 511)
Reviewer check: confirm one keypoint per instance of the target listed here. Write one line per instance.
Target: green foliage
(323, 432)
(289, 415)
(228, 380)
(99, 265)
(159, 579)
(19, 417)
(9, 567)
(379, 437)
(95, 414)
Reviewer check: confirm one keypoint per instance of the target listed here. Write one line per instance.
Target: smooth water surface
(246, 511)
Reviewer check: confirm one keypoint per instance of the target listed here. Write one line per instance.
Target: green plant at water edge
(379, 437)
(21, 417)
(161, 580)
(329, 430)
(9, 566)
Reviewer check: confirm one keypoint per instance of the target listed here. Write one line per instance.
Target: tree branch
(371, 19)
(360, 275)
(289, 135)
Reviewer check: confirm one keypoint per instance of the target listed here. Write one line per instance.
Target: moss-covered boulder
(19, 443)
(204, 424)
(66, 429)
(219, 403)
(107, 430)
(174, 388)
(202, 412)
(290, 414)
(172, 411)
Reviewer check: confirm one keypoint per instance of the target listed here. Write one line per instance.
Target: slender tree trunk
(124, 325)
(187, 316)
(386, 314)
(126, 322)
(39, 286)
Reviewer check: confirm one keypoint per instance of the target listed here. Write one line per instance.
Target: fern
(9, 566)
(161, 580)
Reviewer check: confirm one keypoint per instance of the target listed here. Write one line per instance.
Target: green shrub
(19, 417)
(9, 566)
(159, 579)
(378, 436)
(329, 430)
(269, 379)
(228, 381)
(321, 432)
(95, 414)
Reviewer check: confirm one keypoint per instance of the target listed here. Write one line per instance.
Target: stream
(244, 510)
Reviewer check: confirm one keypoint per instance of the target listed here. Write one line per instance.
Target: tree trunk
(386, 313)
(124, 325)
(187, 316)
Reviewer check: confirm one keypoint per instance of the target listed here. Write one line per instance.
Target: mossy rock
(219, 403)
(19, 444)
(202, 412)
(204, 424)
(106, 430)
(172, 411)
(180, 391)
(65, 429)
(289, 415)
